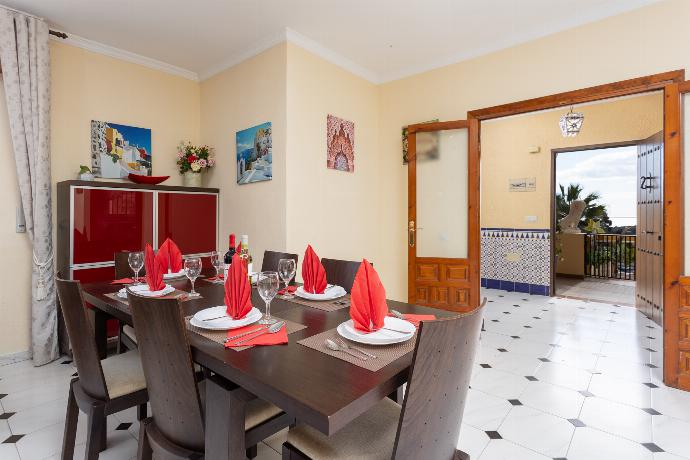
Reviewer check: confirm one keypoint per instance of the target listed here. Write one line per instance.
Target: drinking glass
(192, 268)
(267, 285)
(286, 270)
(217, 262)
(136, 261)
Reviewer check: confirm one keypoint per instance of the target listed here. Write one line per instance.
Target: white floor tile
(538, 431)
(472, 441)
(484, 411)
(505, 450)
(566, 376)
(671, 434)
(592, 444)
(625, 421)
(553, 399)
(671, 402)
(620, 390)
(499, 383)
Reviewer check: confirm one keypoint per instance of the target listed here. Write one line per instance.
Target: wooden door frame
(674, 85)
(473, 249)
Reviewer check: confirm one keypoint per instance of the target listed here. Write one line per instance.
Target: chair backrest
(341, 272)
(167, 362)
(437, 387)
(122, 268)
(81, 337)
(271, 259)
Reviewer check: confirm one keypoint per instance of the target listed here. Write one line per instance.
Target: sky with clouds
(610, 172)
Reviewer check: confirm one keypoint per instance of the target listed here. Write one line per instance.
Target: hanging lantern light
(571, 123)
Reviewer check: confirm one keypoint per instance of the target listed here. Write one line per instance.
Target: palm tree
(594, 211)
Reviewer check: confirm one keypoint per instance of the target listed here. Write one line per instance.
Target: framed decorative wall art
(118, 150)
(254, 154)
(340, 139)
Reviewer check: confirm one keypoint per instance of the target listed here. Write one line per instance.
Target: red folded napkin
(279, 338)
(313, 273)
(415, 319)
(290, 289)
(368, 306)
(238, 291)
(154, 269)
(122, 281)
(171, 256)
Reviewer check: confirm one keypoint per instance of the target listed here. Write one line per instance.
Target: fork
(345, 345)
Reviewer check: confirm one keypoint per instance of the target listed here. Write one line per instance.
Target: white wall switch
(530, 218)
(534, 149)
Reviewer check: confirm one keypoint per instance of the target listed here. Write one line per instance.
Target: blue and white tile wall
(515, 259)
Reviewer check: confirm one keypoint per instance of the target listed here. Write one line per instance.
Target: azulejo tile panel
(516, 259)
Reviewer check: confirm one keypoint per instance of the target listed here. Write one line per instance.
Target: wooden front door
(443, 215)
(649, 287)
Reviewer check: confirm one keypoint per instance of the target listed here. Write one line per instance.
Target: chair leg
(252, 452)
(71, 420)
(144, 451)
(141, 412)
(119, 340)
(97, 430)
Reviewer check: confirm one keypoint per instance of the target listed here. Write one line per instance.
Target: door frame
(473, 249)
(674, 85)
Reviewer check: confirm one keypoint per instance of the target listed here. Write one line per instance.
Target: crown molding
(117, 53)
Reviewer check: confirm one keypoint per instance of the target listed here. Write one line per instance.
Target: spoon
(271, 330)
(397, 314)
(331, 345)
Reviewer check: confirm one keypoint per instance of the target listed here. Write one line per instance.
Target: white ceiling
(378, 39)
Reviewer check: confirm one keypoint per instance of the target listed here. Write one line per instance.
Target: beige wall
(571, 260)
(505, 153)
(251, 93)
(336, 212)
(87, 86)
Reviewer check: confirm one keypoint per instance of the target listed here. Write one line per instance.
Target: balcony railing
(610, 256)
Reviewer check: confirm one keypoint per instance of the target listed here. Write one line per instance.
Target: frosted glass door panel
(441, 158)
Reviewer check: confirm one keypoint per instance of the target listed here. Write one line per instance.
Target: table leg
(225, 412)
(100, 329)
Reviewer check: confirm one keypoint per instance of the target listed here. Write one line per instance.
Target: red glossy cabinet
(189, 219)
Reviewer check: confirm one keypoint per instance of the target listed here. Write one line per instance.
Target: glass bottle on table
(228, 255)
(246, 256)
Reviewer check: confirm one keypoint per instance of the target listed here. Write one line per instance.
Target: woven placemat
(123, 304)
(325, 305)
(220, 336)
(385, 354)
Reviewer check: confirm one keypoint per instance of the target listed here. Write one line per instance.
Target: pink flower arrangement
(194, 158)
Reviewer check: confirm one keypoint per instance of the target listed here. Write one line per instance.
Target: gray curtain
(25, 63)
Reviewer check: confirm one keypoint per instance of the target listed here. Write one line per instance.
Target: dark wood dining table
(315, 388)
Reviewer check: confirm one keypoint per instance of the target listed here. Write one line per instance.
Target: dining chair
(428, 423)
(128, 336)
(341, 272)
(271, 259)
(176, 428)
(102, 387)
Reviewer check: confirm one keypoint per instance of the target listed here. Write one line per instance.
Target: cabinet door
(109, 220)
(189, 219)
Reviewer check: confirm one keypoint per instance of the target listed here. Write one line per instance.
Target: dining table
(315, 388)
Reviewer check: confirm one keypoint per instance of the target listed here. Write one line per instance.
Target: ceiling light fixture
(571, 123)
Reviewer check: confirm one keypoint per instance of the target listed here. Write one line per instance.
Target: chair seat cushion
(370, 436)
(123, 374)
(129, 332)
(257, 410)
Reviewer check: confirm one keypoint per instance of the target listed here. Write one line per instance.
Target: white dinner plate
(225, 322)
(172, 276)
(332, 292)
(380, 337)
(143, 290)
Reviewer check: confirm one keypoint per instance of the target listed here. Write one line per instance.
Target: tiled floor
(599, 290)
(553, 379)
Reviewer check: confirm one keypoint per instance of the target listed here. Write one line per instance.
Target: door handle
(411, 233)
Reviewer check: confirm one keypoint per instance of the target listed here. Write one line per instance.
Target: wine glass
(286, 270)
(217, 262)
(267, 285)
(136, 262)
(192, 268)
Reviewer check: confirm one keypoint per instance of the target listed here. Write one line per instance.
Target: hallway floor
(620, 292)
(554, 378)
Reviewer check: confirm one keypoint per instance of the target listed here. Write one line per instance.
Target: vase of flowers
(193, 161)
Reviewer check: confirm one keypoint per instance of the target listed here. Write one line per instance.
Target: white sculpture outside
(569, 223)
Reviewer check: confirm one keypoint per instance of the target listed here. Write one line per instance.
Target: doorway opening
(594, 229)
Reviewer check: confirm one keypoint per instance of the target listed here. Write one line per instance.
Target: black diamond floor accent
(586, 393)
(536, 317)
(650, 385)
(515, 402)
(652, 447)
(67, 362)
(545, 360)
(577, 422)
(527, 327)
(502, 350)
(6, 415)
(506, 312)
(486, 366)
(650, 350)
(494, 321)
(560, 458)
(650, 338)
(514, 336)
(531, 378)
(545, 310)
(3, 395)
(493, 435)
(123, 426)
(13, 439)
(651, 411)
(651, 366)
(516, 305)
(650, 327)
(501, 295)
(490, 301)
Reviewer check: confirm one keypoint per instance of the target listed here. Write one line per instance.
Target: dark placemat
(385, 354)
(220, 336)
(325, 305)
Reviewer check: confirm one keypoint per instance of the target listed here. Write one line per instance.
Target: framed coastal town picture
(254, 154)
(118, 150)
(340, 139)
